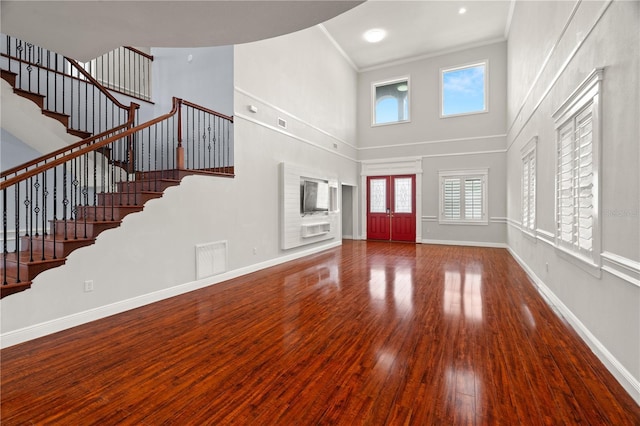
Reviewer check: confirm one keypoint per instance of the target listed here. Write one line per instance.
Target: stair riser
(161, 174)
(124, 199)
(62, 118)
(145, 185)
(7, 290)
(106, 212)
(34, 97)
(28, 271)
(62, 247)
(79, 228)
(9, 77)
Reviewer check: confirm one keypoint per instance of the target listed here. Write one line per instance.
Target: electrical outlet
(547, 266)
(88, 286)
(255, 250)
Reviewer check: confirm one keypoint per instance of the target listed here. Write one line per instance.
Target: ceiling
(85, 29)
(417, 28)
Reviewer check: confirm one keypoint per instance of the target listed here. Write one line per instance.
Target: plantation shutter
(529, 191)
(452, 196)
(576, 183)
(532, 191)
(565, 194)
(584, 181)
(525, 193)
(473, 198)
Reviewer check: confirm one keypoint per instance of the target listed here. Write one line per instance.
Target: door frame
(398, 166)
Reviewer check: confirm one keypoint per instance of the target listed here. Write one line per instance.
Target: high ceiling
(417, 28)
(86, 29)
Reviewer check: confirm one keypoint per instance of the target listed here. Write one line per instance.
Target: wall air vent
(282, 123)
(211, 259)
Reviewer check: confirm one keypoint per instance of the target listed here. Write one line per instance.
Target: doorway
(391, 208)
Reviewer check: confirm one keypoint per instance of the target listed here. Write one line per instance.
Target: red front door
(391, 208)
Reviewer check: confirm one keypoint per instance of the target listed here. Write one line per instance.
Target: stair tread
(25, 258)
(88, 221)
(16, 89)
(50, 112)
(14, 287)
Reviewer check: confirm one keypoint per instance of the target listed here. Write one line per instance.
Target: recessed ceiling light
(403, 88)
(462, 10)
(375, 35)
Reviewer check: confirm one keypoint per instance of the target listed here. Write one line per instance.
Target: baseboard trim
(465, 243)
(624, 377)
(25, 334)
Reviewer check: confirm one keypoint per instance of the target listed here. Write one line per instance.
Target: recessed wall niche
(309, 206)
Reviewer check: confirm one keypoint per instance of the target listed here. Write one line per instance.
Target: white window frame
(463, 175)
(584, 99)
(377, 84)
(529, 183)
(443, 71)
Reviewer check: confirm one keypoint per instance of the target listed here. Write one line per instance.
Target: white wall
(202, 75)
(151, 256)
(553, 47)
(465, 142)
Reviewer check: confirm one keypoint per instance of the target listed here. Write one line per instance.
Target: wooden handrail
(139, 52)
(56, 162)
(71, 147)
(95, 83)
(79, 68)
(207, 110)
(176, 109)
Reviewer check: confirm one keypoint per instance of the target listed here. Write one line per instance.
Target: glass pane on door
(378, 195)
(402, 195)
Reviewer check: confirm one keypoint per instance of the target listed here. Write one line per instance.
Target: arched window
(391, 102)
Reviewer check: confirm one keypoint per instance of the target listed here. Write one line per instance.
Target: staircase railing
(57, 196)
(125, 69)
(62, 87)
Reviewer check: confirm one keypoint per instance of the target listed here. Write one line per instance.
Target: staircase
(63, 200)
(47, 250)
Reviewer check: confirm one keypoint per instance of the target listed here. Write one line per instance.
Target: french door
(391, 208)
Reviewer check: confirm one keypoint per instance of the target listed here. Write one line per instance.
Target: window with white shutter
(578, 146)
(463, 196)
(529, 187)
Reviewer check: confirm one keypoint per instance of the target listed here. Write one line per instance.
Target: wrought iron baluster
(16, 233)
(44, 212)
(54, 223)
(85, 189)
(65, 200)
(5, 252)
(228, 144)
(29, 213)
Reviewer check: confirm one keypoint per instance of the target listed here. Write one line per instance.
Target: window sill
(463, 222)
(464, 114)
(390, 123)
(587, 265)
(530, 234)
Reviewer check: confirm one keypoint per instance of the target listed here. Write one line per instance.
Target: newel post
(179, 149)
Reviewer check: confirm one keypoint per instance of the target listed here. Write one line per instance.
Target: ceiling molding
(432, 54)
(338, 48)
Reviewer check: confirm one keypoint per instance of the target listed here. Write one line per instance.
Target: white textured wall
(202, 75)
(152, 254)
(561, 43)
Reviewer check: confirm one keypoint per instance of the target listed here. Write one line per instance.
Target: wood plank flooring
(370, 333)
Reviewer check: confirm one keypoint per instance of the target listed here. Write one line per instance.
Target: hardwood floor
(369, 333)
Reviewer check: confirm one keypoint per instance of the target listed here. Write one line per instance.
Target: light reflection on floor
(463, 292)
